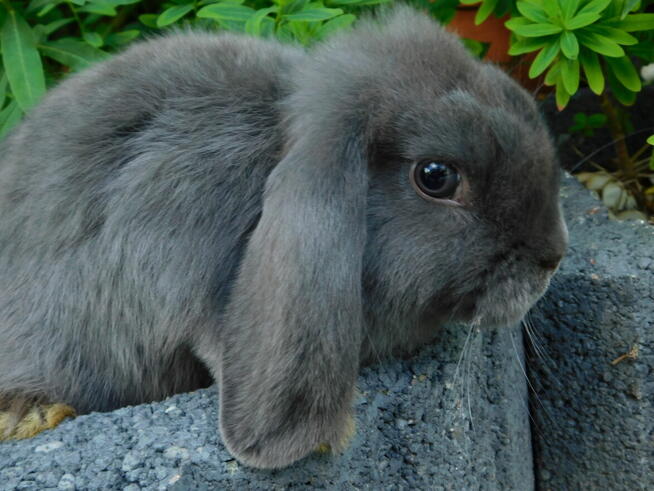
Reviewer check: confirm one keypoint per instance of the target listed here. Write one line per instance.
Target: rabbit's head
(416, 183)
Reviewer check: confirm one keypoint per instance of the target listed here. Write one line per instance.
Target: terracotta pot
(493, 31)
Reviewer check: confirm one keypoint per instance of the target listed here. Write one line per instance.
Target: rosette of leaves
(590, 36)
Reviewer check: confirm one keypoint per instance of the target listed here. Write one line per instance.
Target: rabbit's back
(125, 200)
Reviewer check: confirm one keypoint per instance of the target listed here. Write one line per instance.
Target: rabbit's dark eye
(435, 179)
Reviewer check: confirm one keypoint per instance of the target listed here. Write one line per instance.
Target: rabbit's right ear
(290, 345)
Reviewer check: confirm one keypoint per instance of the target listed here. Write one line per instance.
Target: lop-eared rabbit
(212, 206)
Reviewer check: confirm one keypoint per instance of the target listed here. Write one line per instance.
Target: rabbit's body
(230, 203)
(79, 270)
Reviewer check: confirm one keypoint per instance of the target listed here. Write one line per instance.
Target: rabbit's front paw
(15, 425)
(349, 431)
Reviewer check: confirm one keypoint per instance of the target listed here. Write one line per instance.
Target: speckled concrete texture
(592, 407)
(429, 422)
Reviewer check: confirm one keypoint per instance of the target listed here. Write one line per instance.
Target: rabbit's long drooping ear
(293, 326)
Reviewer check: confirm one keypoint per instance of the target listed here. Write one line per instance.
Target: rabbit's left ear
(293, 326)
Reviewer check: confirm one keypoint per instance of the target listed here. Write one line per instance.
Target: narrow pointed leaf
(593, 70)
(72, 53)
(625, 72)
(335, 24)
(22, 61)
(9, 117)
(570, 75)
(527, 45)
(173, 14)
(254, 23)
(617, 35)
(637, 22)
(594, 7)
(624, 96)
(536, 30)
(650, 140)
(562, 97)
(553, 74)
(569, 45)
(568, 8)
(532, 12)
(629, 5)
(600, 44)
(226, 12)
(543, 59)
(581, 20)
(485, 9)
(314, 14)
(93, 39)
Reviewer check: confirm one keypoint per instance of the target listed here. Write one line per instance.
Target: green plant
(43, 40)
(488, 7)
(586, 124)
(590, 35)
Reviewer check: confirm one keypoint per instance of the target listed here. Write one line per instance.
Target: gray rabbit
(209, 206)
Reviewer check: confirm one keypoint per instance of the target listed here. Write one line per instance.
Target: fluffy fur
(214, 205)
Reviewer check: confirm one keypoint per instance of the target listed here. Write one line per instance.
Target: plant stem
(625, 162)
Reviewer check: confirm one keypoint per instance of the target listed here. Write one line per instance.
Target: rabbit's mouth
(506, 303)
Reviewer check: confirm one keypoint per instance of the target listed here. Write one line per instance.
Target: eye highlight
(434, 180)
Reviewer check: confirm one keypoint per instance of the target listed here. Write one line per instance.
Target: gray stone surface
(422, 424)
(438, 420)
(594, 421)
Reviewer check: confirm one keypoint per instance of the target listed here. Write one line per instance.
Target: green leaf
(254, 23)
(624, 96)
(226, 11)
(484, 10)
(594, 7)
(532, 12)
(637, 22)
(553, 74)
(597, 120)
(617, 35)
(625, 72)
(527, 45)
(149, 20)
(122, 37)
(358, 3)
(536, 30)
(629, 5)
(72, 53)
(562, 97)
(650, 140)
(3, 87)
(543, 59)
(593, 70)
(568, 8)
(100, 8)
(314, 14)
(336, 24)
(551, 7)
(570, 75)
(173, 14)
(600, 44)
(22, 61)
(569, 45)
(93, 39)
(581, 20)
(293, 6)
(517, 22)
(9, 117)
(56, 25)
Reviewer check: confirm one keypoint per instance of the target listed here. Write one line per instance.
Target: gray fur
(138, 244)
